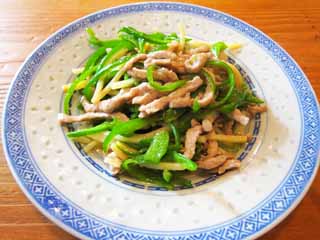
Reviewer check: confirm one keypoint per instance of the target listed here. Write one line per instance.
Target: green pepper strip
(121, 128)
(230, 82)
(72, 88)
(228, 108)
(103, 73)
(186, 162)
(132, 154)
(162, 88)
(253, 99)
(145, 175)
(141, 43)
(156, 38)
(218, 47)
(102, 62)
(210, 80)
(93, 130)
(130, 38)
(172, 114)
(177, 139)
(158, 148)
(166, 175)
(196, 105)
(114, 52)
(88, 70)
(94, 57)
(94, 41)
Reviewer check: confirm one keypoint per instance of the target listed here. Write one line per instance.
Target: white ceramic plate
(75, 191)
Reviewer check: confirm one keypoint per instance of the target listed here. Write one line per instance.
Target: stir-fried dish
(158, 106)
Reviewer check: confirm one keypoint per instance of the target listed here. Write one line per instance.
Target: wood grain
(295, 25)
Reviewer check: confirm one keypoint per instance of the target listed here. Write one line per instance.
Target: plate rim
(45, 211)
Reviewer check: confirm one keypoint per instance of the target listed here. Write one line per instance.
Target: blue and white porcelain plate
(73, 190)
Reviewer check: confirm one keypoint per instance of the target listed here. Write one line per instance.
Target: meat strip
(212, 162)
(146, 98)
(191, 139)
(128, 65)
(162, 54)
(187, 101)
(253, 109)
(229, 164)
(158, 62)
(201, 49)
(173, 46)
(228, 127)
(240, 117)
(161, 74)
(164, 101)
(196, 62)
(168, 59)
(113, 163)
(160, 58)
(63, 118)
(113, 103)
(207, 125)
(184, 101)
(194, 122)
(213, 148)
(207, 122)
(178, 63)
(121, 116)
(207, 98)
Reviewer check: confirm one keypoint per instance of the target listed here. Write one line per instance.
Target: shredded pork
(146, 98)
(207, 97)
(181, 63)
(228, 127)
(240, 117)
(122, 97)
(213, 148)
(161, 74)
(63, 118)
(184, 101)
(164, 101)
(201, 49)
(197, 61)
(128, 65)
(212, 162)
(229, 164)
(253, 109)
(191, 139)
(113, 163)
(173, 46)
(207, 125)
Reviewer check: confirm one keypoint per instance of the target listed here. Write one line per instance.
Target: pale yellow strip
(124, 146)
(90, 146)
(95, 98)
(228, 138)
(118, 152)
(79, 86)
(165, 166)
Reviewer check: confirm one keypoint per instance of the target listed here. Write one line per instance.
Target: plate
(74, 190)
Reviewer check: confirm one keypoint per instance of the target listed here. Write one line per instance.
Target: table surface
(295, 25)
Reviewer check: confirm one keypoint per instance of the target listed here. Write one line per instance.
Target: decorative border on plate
(80, 223)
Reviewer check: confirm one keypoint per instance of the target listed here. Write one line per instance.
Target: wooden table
(26, 23)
